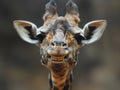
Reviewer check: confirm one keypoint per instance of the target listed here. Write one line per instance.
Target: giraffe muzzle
(58, 59)
(58, 52)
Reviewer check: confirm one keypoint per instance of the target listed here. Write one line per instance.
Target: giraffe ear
(26, 30)
(93, 31)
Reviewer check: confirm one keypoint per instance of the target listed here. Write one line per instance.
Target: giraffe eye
(64, 44)
(78, 38)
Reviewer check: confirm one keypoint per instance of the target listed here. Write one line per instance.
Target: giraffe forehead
(60, 23)
(59, 28)
(59, 36)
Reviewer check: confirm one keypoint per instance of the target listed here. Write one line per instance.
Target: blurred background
(99, 63)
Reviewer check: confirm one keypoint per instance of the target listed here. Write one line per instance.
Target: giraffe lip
(55, 61)
(58, 59)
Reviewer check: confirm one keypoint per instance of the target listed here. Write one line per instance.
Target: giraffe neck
(60, 83)
(60, 78)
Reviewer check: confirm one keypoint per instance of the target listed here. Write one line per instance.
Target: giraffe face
(59, 46)
(60, 37)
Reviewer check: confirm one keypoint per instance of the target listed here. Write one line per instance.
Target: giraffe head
(60, 37)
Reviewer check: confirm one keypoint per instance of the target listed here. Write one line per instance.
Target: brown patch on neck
(60, 69)
(59, 75)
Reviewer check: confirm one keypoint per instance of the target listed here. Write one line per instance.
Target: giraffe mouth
(58, 58)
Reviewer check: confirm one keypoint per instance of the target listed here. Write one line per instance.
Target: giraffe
(59, 40)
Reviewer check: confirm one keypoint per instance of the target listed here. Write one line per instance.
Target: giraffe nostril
(66, 57)
(52, 43)
(65, 45)
(48, 56)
